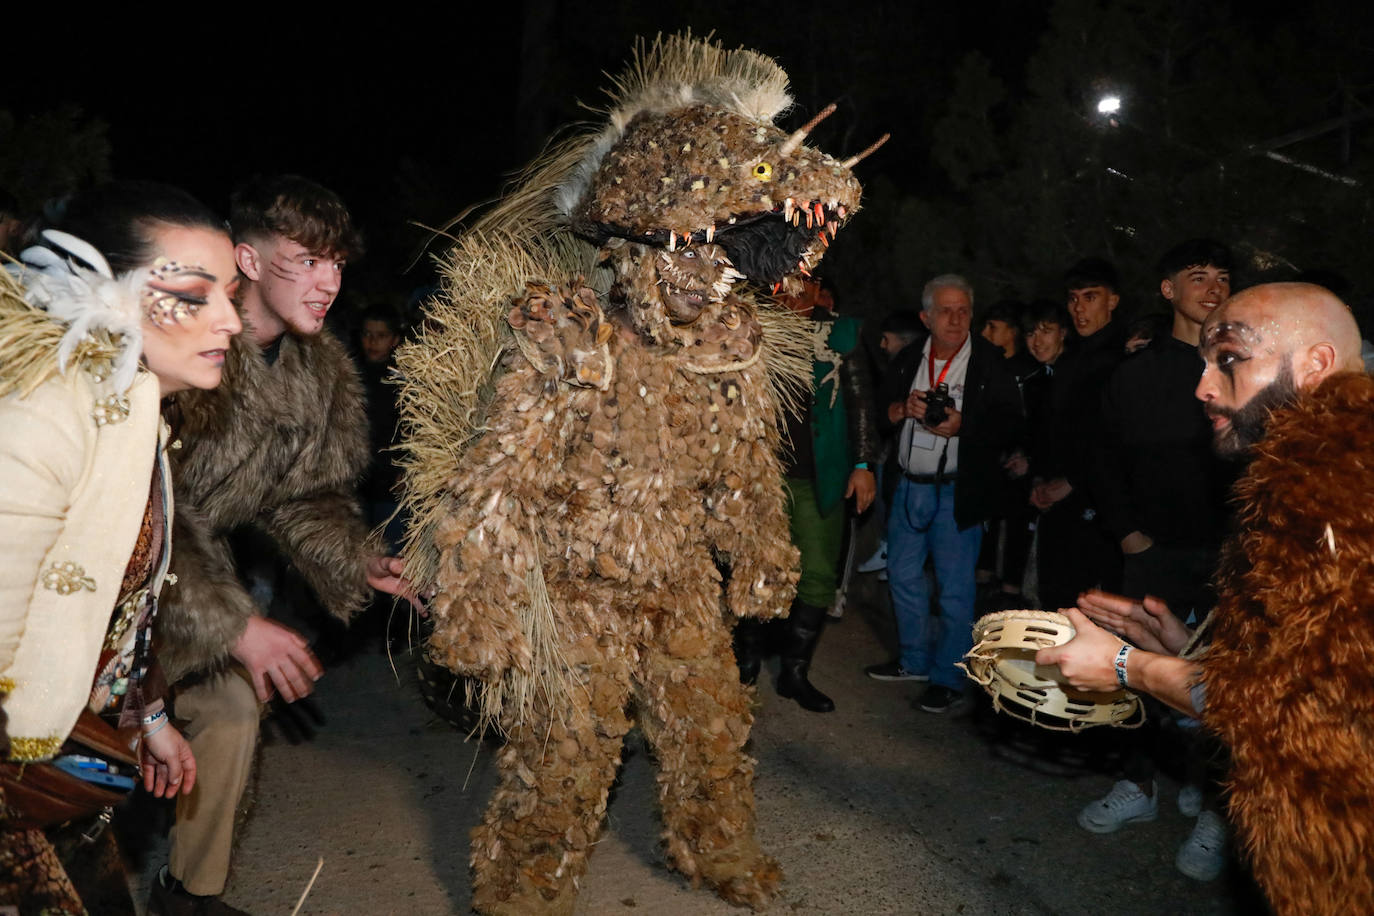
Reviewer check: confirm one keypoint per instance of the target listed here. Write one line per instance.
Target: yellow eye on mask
(763, 171)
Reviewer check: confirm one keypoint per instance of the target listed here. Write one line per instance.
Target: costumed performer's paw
(753, 886)
(728, 336)
(476, 645)
(564, 334)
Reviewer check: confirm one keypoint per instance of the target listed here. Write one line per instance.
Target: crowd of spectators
(1067, 441)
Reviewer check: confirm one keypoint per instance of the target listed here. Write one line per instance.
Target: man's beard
(1248, 423)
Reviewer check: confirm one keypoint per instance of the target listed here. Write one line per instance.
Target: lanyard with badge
(921, 437)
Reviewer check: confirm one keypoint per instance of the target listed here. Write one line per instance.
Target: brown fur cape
(281, 448)
(1290, 674)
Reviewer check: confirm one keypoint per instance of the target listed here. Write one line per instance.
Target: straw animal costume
(592, 415)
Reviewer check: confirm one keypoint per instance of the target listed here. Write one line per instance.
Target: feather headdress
(72, 283)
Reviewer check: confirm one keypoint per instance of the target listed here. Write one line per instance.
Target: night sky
(379, 108)
(414, 116)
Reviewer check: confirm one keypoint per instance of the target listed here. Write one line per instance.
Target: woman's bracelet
(1120, 664)
(149, 732)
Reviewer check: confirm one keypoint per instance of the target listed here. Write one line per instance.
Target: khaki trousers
(222, 715)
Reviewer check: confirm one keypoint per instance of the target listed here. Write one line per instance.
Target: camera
(938, 405)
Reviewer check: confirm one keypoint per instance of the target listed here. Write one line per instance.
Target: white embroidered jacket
(75, 463)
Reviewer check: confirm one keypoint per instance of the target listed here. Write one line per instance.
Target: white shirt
(919, 449)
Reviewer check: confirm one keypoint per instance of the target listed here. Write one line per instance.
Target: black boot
(803, 631)
(749, 649)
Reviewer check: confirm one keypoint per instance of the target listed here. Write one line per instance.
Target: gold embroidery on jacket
(113, 408)
(29, 749)
(65, 577)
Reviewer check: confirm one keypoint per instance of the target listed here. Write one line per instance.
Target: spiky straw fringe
(447, 370)
(29, 342)
(549, 682)
(786, 356)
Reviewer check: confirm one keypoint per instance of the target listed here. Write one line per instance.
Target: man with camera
(956, 411)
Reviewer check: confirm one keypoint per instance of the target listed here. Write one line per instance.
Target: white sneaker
(876, 562)
(1189, 800)
(1125, 804)
(1203, 856)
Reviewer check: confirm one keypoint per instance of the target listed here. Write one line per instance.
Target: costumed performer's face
(1091, 308)
(1247, 374)
(188, 308)
(296, 284)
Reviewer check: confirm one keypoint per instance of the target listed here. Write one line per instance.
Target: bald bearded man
(1288, 680)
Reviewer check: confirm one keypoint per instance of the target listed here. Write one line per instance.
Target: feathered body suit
(593, 431)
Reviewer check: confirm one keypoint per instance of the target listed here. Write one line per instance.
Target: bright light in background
(1109, 104)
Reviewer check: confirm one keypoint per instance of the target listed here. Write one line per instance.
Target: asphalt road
(874, 808)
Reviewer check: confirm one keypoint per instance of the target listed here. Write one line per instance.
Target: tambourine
(1002, 660)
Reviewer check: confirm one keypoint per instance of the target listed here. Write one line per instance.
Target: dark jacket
(1023, 368)
(1158, 473)
(1066, 440)
(992, 425)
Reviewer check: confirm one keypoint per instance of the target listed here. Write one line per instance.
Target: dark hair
(1150, 325)
(117, 218)
(297, 208)
(1041, 311)
(1092, 272)
(386, 315)
(1007, 311)
(905, 323)
(1194, 253)
(9, 204)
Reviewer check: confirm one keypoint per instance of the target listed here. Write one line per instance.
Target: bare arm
(1088, 662)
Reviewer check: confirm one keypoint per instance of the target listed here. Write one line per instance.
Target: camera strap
(935, 382)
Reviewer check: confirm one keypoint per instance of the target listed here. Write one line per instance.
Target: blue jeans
(920, 521)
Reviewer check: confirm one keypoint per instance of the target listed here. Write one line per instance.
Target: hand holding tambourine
(1003, 662)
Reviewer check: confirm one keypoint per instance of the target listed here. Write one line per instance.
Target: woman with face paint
(123, 300)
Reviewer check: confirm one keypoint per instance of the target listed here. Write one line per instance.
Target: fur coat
(279, 447)
(1290, 674)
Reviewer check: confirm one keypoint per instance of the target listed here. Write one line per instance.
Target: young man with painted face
(1074, 551)
(1285, 682)
(1162, 491)
(278, 447)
